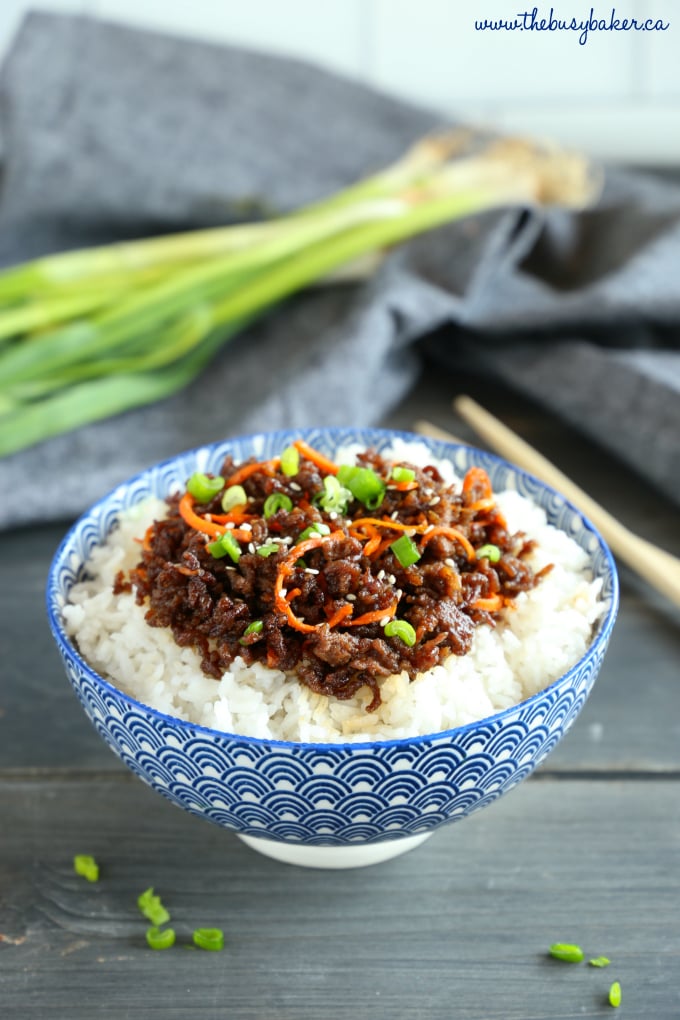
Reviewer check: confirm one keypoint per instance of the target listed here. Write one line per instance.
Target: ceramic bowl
(327, 805)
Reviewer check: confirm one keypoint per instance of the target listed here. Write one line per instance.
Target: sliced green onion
(268, 549)
(225, 545)
(600, 961)
(151, 906)
(334, 498)
(158, 939)
(235, 495)
(209, 938)
(277, 501)
(85, 865)
(290, 461)
(489, 552)
(615, 994)
(364, 485)
(253, 628)
(406, 551)
(203, 488)
(318, 528)
(403, 474)
(402, 630)
(567, 952)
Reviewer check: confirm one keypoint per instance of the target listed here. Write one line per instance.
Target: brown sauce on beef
(209, 603)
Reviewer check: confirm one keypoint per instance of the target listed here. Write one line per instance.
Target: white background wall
(617, 96)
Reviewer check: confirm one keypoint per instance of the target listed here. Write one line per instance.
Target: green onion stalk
(89, 334)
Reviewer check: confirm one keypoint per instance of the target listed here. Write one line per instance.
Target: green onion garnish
(335, 497)
(615, 994)
(85, 865)
(209, 938)
(405, 550)
(268, 549)
(253, 628)
(599, 961)
(277, 501)
(567, 952)
(402, 630)
(403, 474)
(225, 545)
(203, 488)
(235, 495)
(489, 552)
(318, 528)
(290, 461)
(151, 906)
(364, 485)
(158, 939)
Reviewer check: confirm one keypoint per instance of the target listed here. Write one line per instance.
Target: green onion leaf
(599, 961)
(158, 939)
(277, 501)
(364, 485)
(85, 865)
(268, 549)
(151, 906)
(567, 952)
(203, 487)
(318, 528)
(209, 938)
(489, 552)
(403, 474)
(405, 550)
(334, 498)
(225, 545)
(234, 496)
(402, 630)
(253, 628)
(615, 994)
(290, 461)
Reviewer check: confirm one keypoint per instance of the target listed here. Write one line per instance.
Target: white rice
(548, 631)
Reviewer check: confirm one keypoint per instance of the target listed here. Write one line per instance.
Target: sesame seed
(333, 516)
(391, 578)
(282, 593)
(251, 547)
(435, 500)
(246, 527)
(311, 570)
(449, 562)
(385, 620)
(394, 515)
(351, 598)
(428, 529)
(295, 487)
(381, 575)
(230, 525)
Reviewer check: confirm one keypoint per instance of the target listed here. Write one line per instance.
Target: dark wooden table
(586, 851)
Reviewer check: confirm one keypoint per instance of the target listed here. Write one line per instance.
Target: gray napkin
(109, 132)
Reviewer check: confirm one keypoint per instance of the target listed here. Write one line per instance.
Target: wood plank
(459, 927)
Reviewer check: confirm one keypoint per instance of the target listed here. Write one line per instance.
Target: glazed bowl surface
(327, 804)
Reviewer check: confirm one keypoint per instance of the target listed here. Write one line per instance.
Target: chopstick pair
(658, 567)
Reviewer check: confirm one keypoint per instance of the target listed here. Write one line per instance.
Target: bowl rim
(598, 640)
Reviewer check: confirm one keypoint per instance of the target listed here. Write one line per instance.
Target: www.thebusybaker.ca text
(535, 21)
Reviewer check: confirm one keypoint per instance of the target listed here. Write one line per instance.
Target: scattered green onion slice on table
(290, 461)
(209, 938)
(403, 474)
(401, 629)
(318, 528)
(158, 938)
(225, 545)
(276, 501)
(364, 484)
(406, 551)
(489, 552)
(567, 952)
(615, 994)
(203, 487)
(599, 961)
(232, 497)
(152, 908)
(85, 865)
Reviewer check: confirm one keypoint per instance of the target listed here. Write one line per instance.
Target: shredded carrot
(453, 533)
(186, 509)
(316, 457)
(480, 505)
(233, 517)
(404, 486)
(340, 614)
(387, 522)
(477, 476)
(286, 568)
(246, 470)
(187, 571)
(293, 594)
(375, 615)
(490, 605)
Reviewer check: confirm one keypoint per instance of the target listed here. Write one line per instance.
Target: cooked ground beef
(323, 613)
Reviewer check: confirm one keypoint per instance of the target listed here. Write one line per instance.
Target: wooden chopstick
(658, 567)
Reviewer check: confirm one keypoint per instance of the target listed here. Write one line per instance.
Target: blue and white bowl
(327, 805)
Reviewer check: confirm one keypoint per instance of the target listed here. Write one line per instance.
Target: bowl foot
(359, 856)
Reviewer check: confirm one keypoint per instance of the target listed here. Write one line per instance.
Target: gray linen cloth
(108, 133)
